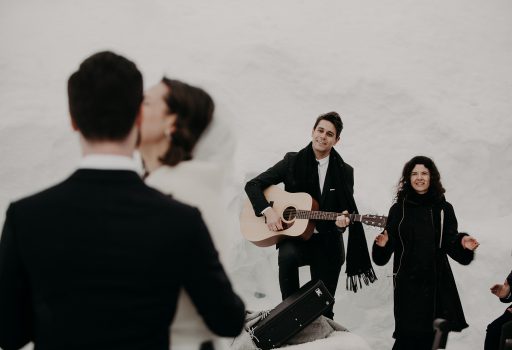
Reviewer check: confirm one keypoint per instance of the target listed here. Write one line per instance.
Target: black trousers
(323, 254)
(418, 342)
(492, 338)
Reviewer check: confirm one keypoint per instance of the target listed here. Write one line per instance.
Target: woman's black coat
(424, 287)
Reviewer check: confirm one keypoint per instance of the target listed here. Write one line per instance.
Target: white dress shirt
(108, 162)
(323, 164)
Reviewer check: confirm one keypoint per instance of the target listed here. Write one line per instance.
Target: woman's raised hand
(469, 242)
(501, 290)
(382, 239)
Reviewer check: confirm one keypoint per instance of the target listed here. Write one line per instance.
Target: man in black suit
(319, 171)
(97, 261)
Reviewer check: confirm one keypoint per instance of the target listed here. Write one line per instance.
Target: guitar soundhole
(289, 213)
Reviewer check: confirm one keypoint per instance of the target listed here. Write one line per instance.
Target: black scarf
(358, 263)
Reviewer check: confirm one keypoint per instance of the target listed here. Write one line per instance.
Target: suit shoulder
(340, 162)
(41, 195)
(290, 155)
(349, 167)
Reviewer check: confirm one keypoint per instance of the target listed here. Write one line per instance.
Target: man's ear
(138, 118)
(337, 140)
(73, 124)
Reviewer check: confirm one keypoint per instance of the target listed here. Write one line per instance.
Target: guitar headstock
(374, 220)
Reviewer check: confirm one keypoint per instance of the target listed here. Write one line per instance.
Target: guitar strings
(291, 213)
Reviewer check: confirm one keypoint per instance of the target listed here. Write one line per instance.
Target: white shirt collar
(108, 162)
(323, 161)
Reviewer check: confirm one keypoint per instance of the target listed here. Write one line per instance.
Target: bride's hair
(194, 112)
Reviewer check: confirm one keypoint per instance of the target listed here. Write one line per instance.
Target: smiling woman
(420, 178)
(421, 231)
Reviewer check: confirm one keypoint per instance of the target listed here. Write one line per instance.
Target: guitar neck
(325, 215)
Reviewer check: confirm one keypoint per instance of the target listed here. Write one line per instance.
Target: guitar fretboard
(325, 215)
(372, 220)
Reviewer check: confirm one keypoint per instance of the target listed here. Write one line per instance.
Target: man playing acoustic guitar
(319, 171)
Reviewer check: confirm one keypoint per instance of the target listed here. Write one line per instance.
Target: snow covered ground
(408, 78)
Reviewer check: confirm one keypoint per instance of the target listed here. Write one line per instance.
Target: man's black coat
(331, 198)
(97, 261)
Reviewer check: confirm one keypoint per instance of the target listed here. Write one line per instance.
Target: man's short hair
(105, 96)
(332, 117)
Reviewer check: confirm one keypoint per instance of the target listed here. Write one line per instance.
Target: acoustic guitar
(298, 212)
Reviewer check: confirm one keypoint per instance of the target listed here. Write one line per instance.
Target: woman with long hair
(421, 231)
(175, 116)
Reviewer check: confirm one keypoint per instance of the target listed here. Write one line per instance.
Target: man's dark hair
(105, 96)
(332, 117)
(404, 185)
(194, 112)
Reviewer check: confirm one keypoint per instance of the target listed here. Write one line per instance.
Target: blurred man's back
(96, 262)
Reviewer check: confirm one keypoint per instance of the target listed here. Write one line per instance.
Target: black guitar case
(292, 315)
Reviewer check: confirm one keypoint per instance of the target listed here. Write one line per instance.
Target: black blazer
(97, 261)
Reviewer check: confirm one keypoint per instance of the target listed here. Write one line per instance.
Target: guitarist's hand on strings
(273, 220)
(343, 220)
(382, 239)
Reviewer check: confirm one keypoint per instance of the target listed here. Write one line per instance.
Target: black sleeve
(272, 176)
(16, 321)
(509, 298)
(381, 255)
(452, 238)
(208, 285)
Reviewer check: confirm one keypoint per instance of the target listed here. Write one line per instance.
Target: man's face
(324, 138)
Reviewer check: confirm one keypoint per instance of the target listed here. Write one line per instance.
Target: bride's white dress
(199, 184)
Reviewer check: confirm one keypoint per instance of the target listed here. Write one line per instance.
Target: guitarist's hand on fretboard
(342, 220)
(273, 220)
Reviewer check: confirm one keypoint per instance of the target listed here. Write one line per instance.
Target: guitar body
(254, 228)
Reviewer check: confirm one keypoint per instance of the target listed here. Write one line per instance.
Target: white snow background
(408, 78)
